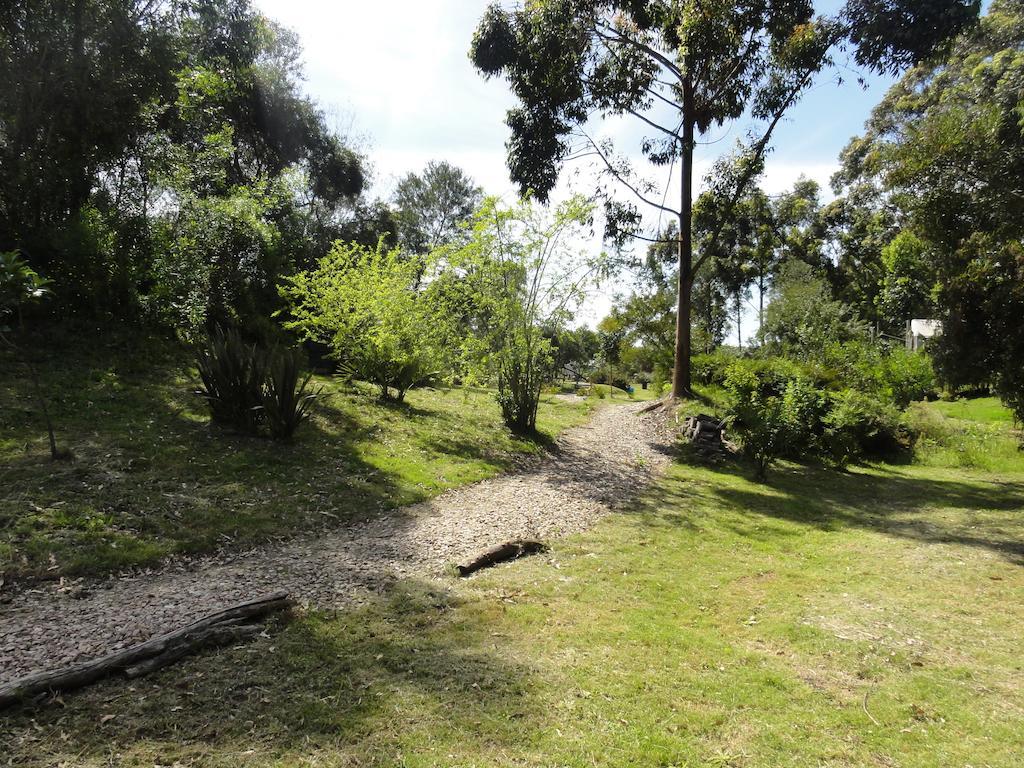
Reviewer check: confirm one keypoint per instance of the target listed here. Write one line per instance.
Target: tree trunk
(739, 321)
(681, 382)
(760, 301)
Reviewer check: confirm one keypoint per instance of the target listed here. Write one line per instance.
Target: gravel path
(592, 469)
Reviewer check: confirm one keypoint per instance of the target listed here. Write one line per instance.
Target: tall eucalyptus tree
(679, 68)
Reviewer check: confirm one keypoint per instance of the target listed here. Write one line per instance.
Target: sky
(395, 76)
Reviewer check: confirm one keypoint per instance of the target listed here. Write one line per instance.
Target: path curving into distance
(592, 470)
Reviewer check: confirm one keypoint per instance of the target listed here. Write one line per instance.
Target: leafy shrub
(255, 390)
(711, 368)
(859, 425)
(364, 303)
(779, 411)
(897, 375)
(771, 425)
(19, 284)
(909, 377)
(765, 377)
(660, 379)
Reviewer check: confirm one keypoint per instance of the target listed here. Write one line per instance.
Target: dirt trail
(592, 469)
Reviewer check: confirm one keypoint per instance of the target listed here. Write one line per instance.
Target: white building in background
(920, 331)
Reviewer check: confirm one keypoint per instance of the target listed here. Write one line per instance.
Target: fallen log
(217, 628)
(510, 550)
(212, 637)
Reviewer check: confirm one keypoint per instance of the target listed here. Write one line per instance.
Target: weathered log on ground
(653, 406)
(218, 628)
(510, 550)
(212, 637)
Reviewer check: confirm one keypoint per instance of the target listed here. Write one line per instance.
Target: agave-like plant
(232, 372)
(255, 390)
(286, 396)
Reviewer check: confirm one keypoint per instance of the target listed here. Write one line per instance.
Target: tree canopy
(945, 149)
(160, 160)
(679, 69)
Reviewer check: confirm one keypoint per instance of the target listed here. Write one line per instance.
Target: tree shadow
(153, 477)
(321, 681)
(980, 514)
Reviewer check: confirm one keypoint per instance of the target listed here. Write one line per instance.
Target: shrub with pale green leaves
(364, 303)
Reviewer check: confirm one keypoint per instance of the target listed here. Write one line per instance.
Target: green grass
(610, 392)
(865, 618)
(984, 410)
(151, 477)
(970, 434)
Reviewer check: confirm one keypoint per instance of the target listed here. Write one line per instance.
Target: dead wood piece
(510, 550)
(655, 405)
(212, 637)
(187, 639)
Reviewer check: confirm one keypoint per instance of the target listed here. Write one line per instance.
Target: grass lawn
(868, 618)
(620, 395)
(152, 478)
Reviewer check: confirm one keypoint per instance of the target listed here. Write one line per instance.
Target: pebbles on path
(591, 470)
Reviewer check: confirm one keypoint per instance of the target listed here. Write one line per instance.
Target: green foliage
(771, 424)
(163, 165)
(364, 303)
(781, 409)
(286, 396)
(431, 208)
(251, 388)
(232, 371)
(711, 368)
(945, 148)
(857, 227)
(900, 376)
(858, 425)
(217, 262)
(569, 63)
(527, 281)
(19, 285)
(803, 318)
(981, 341)
(575, 351)
(908, 281)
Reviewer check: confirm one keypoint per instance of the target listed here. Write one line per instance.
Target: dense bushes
(780, 410)
(770, 412)
(896, 374)
(254, 389)
(710, 368)
(857, 425)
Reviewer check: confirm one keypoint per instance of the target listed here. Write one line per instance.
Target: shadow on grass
(980, 514)
(153, 477)
(357, 680)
